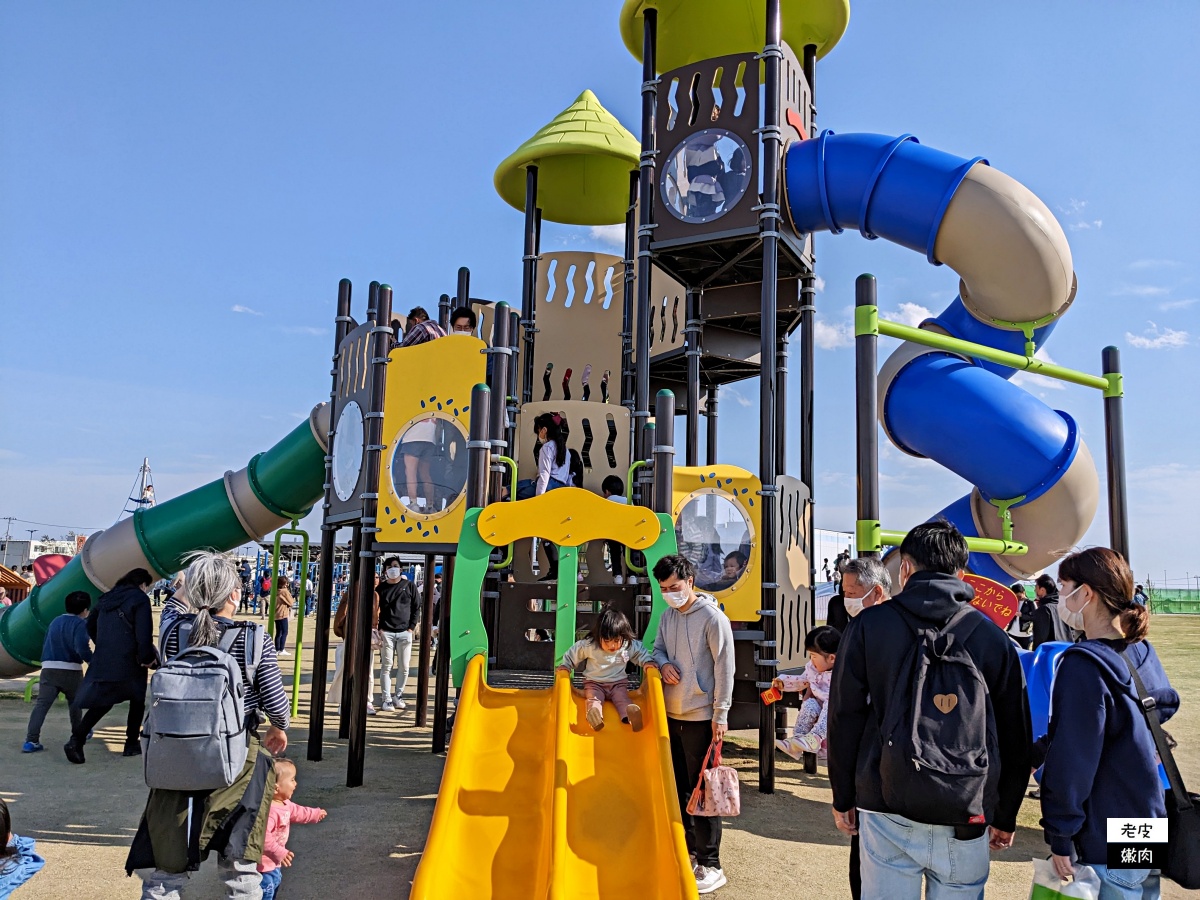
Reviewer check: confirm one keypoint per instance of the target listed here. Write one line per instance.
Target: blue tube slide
(963, 414)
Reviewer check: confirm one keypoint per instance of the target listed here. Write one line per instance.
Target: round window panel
(706, 175)
(348, 441)
(714, 536)
(429, 465)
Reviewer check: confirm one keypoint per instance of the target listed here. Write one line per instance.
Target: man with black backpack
(929, 735)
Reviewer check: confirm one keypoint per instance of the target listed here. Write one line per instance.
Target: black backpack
(939, 761)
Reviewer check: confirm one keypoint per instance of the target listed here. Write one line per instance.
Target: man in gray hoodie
(694, 652)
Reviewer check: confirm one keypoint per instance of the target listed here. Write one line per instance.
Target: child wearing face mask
(604, 655)
(808, 734)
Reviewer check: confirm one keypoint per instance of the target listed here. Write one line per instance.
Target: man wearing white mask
(398, 612)
(694, 651)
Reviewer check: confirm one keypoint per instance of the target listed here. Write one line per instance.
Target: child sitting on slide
(611, 646)
(808, 734)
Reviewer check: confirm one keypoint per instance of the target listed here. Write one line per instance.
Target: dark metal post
(514, 342)
(1114, 442)
(808, 312)
(381, 336)
(664, 450)
(529, 280)
(692, 335)
(479, 448)
(866, 348)
(350, 641)
(499, 353)
(627, 297)
(444, 312)
(462, 297)
(426, 647)
(768, 227)
(441, 690)
(710, 414)
(645, 262)
(316, 708)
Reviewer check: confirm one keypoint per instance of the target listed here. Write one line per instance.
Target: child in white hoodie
(611, 646)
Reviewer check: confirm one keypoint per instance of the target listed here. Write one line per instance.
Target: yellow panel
(743, 599)
(430, 380)
(570, 517)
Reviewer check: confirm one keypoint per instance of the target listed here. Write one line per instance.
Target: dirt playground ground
(782, 846)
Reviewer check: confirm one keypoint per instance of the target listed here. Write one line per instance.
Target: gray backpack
(195, 735)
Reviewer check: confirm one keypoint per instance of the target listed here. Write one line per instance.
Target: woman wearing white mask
(1101, 760)
(694, 651)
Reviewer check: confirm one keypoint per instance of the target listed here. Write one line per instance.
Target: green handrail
(629, 566)
(872, 539)
(512, 495)
(300, 597)
(867, 321)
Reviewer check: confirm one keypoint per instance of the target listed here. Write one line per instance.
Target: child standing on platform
(284, 813)
(808, 735)
(605, 654)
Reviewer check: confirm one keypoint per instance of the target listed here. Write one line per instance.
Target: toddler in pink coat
(284, 813)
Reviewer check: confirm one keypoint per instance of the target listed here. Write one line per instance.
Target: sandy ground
(783, 845)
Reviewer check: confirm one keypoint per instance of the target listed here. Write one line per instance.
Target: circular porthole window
(706, 175)
(714, 535)
(429, 464)
(348, 441)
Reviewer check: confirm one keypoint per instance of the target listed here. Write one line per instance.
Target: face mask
(854, 606)
(1072, 619)
(675, 599)
(392, 573)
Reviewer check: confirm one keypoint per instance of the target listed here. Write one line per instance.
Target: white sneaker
(618, 579)
(400, 704)
(370, 710)
(791, 747)
(709, 879)
(283, 653)
(387, 706)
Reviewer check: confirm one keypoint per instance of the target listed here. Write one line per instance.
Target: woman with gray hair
(229, 820)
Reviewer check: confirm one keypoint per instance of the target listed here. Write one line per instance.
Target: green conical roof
(584, 157)
(692, 30)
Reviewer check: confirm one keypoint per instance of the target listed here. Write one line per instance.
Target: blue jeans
(1128, 884)
(270, 883)
(898, 854)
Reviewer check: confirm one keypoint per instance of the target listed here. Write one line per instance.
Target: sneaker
(134, 749)
(634, 712)
(618, 579)
(283, 653)
(692, 860)
(595, 718)
(74, 753)
(370, 710)
(31, 747)
(810, 743)
(708, 879)
(400, 705)
(791, 747)
(387, 706)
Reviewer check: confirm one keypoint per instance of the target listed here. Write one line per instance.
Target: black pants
(855, 871)
(52, 683)
(281, 633)
(689, 744)
(133, 724)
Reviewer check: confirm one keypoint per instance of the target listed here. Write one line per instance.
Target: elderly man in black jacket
(919, 821)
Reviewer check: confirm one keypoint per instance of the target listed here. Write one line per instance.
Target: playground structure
(721, 198)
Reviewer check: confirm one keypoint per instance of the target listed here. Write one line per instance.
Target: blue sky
(164, 166)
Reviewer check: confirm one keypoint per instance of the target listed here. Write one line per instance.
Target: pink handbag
(717, 792)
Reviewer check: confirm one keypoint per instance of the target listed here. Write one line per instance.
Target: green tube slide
(276, 486)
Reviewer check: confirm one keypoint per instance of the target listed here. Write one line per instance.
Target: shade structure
(691, 30)
(584, 157)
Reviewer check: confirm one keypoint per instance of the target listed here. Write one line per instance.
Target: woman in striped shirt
(230, 817)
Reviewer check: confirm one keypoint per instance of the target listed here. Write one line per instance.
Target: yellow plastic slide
(534, 804)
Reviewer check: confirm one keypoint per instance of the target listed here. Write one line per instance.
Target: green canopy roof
(691, 30)
(584, 157)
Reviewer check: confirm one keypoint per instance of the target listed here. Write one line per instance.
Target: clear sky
(182, 186)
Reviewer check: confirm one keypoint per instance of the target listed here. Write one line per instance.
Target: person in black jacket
(397, 614)
(1047, 619)
(1101, 760)
(121, 626)
(951, 852)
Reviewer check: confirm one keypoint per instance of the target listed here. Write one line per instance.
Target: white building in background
(15, 554)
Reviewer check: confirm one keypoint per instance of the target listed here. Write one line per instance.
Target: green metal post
(300, 597)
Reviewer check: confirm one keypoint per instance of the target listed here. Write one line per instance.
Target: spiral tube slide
(276, 486)
(1016, 282)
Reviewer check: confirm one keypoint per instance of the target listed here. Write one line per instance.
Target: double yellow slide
(535, 805)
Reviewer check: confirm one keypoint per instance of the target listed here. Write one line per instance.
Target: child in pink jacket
(279, 824)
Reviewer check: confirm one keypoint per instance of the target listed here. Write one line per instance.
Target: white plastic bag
(1048, 886)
